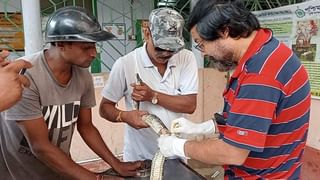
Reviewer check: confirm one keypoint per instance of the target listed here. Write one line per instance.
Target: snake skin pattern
(158, 161)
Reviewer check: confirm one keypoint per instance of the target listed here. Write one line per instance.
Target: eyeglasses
(199, 46)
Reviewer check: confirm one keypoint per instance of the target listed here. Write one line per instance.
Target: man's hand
(11, 82)
(128, 168)
(134, 119)
(171, 146)
(142, 92)
(3, 56)
(184, 126)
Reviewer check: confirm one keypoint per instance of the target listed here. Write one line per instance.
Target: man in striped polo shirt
(267, 101)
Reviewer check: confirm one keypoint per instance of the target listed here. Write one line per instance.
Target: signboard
(11, 33)
(117, 29)
(298, 27)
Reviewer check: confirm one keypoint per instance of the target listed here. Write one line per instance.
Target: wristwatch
(154, 99)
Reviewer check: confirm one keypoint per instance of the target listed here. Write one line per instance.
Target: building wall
(112, 133)
(211, 82)
(314, 133)
(10, 6)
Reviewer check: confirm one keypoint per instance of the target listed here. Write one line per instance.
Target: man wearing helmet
(169, 85)
(35, 134)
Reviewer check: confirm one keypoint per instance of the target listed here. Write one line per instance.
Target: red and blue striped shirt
(267, 106)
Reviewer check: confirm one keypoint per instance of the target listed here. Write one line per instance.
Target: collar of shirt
(263, 36)
(146, 61)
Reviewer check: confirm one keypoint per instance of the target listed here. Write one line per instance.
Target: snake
(158, 160)
(155, 168)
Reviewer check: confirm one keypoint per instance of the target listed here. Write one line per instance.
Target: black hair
(214, 17)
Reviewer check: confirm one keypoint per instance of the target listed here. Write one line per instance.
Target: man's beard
(222, 65)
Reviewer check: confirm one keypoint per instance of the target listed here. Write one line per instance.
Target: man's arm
(215, 151)
(11, 82)
(109, 112)
(178, 103)
(175, 103)
(36, 133)
(93, 139)
(210, 151)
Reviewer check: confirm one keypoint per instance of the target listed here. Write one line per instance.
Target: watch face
(154, 100)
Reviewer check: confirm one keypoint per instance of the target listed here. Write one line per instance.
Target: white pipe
(31, 26)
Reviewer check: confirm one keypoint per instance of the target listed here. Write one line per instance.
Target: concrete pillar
(33, 40)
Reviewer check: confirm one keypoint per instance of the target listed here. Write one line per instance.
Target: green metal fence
(126, 12)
